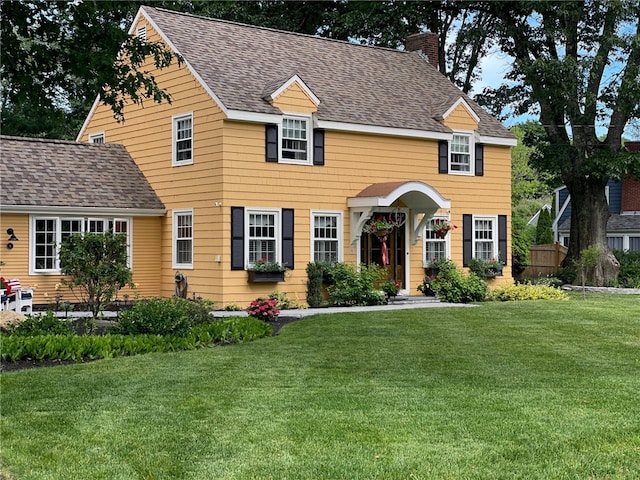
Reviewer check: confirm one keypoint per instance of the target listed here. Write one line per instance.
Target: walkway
(400, 303)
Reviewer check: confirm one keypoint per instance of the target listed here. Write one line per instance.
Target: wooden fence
(544, 260)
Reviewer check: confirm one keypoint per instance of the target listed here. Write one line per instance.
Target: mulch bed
(102, 327)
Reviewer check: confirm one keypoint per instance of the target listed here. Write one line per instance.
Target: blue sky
(497, 64)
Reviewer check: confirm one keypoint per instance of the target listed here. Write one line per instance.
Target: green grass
(531, 390)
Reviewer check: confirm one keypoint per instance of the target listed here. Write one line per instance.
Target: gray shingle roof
(56, 173)
(616, 224)
(355, 83)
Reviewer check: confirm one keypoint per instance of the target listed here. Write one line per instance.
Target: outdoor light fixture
(12, 238)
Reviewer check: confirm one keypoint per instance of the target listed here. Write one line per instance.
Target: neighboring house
(623, 226)
(534, 220)
(284, 146)
(52, 189)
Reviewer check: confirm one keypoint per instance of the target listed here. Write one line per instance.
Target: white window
(49, 232)
(626, 243)
(460, 154)
(263, 232)
(295, 140)
(141, 33)
(183, 139)
(616, 243)
(435, 248)
(96, 137)
(45, 255)
(326, 237)
(183, 239)
(485, 238)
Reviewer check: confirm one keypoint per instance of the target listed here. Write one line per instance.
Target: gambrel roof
(39, 175)
(355, 84)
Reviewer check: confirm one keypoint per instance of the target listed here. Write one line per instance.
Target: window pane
(294, 139)
(184, 137)
(435, 250)
(460, 154)
(262, 237)
(45, 251)
(615, 243)
(634, 244)
(325, 233)
(184, 239)
(483, 238)
(435, 247)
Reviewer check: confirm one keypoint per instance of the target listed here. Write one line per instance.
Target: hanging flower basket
(379, 226)
(441, 227)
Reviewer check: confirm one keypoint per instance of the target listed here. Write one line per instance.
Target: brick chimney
(631, 185)
(427, 43)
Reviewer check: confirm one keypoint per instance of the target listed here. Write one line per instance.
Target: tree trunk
(589, 216)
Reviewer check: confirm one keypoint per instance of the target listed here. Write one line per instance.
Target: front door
(372, 251)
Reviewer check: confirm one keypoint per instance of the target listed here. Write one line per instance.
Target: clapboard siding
(229, 169)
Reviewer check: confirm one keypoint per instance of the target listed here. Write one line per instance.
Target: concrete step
(413, 299)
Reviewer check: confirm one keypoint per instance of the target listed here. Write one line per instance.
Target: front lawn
(532, 390)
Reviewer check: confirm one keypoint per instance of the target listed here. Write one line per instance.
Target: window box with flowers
(265, 271)
(486, 268)
(433, 267)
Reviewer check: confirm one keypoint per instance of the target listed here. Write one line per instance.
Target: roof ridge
(57, 141)
(274, 30)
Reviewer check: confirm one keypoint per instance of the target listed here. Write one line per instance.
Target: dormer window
(295, 139)
(460, 156)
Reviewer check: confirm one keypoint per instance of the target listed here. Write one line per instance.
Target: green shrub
(315, 273)
(453, 286)
(46, 324)
(233, 307)
(284, 302)
(549, 281)
(629, 273)
(91, 347)
(567, 275)
(508, 293)
(96, 266)
(519, 245)
(350, 286)
(163, 316)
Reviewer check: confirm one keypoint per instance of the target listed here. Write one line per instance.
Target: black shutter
(318, 146)
(443, 156)
(479, 159)
(271, 138)
(502, 238)
(237, 238)
(287, 237)
(467, 239)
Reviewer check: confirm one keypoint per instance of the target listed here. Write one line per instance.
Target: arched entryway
(386, 250)
(414, 201)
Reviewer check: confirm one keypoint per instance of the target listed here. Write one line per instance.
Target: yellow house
(285, 146)
(52, 189)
